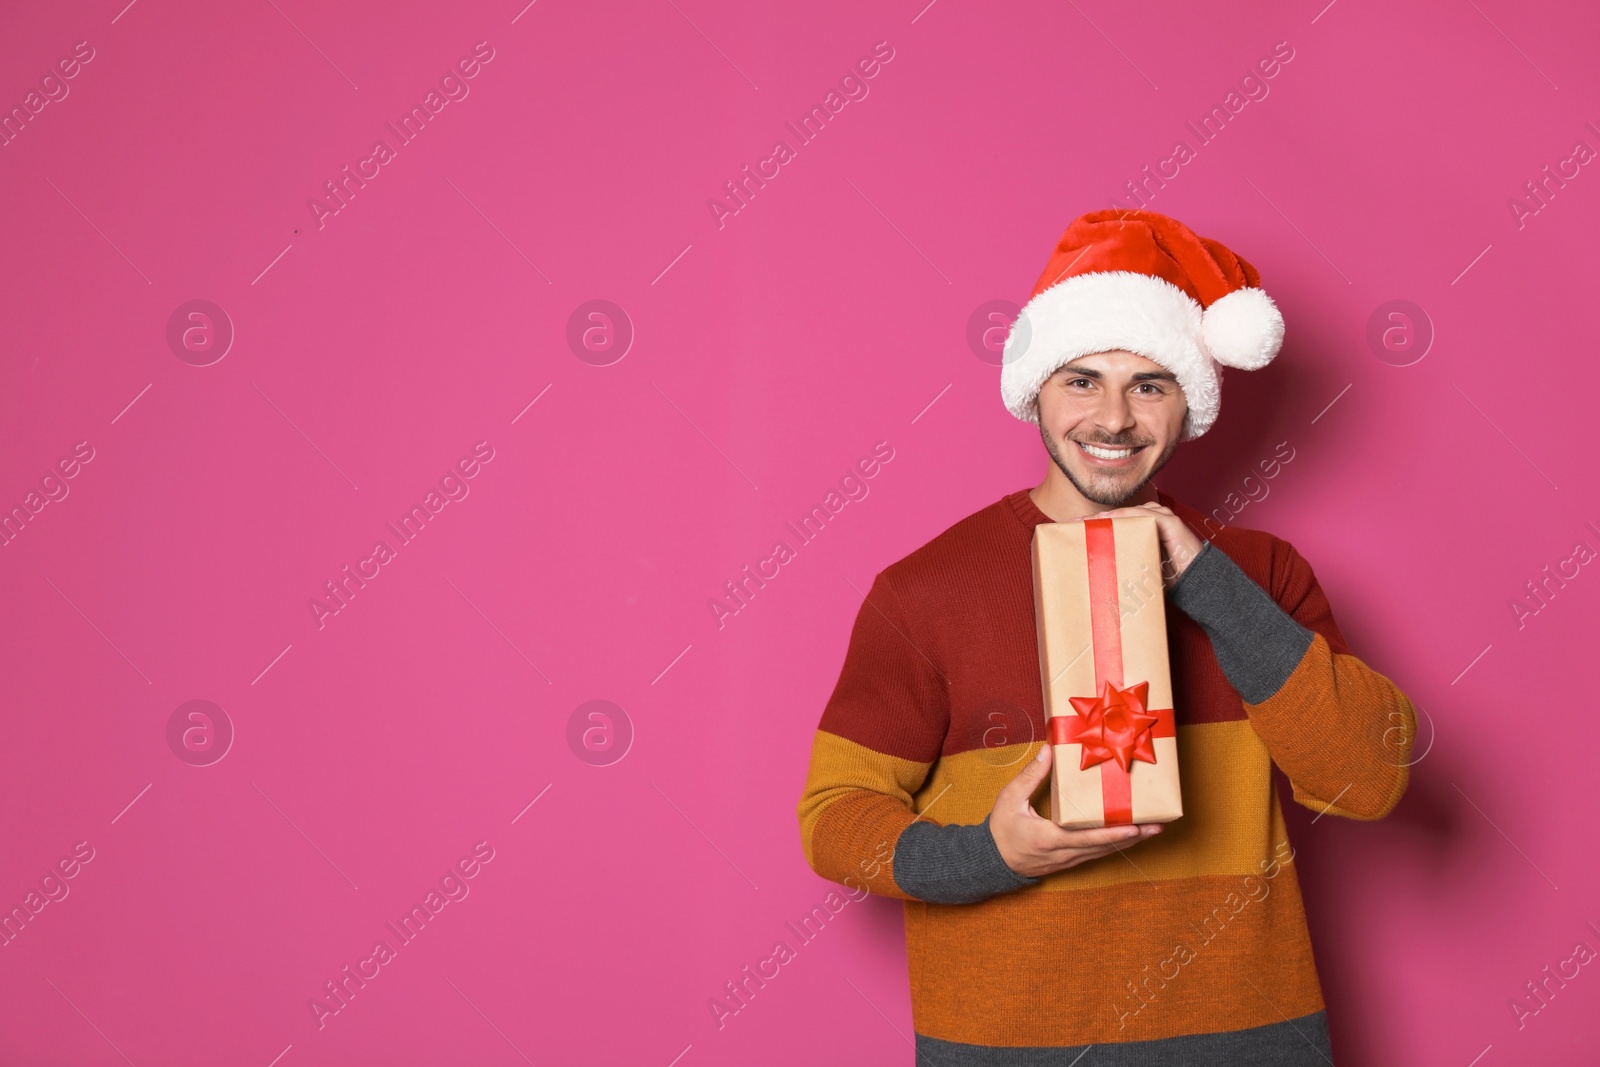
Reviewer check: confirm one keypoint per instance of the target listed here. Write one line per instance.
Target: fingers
(1132, 509)
(1032, 845)
(1039, 845)
(1096, 836)
(1115, 835)
(1022, 787)
(1099, 837)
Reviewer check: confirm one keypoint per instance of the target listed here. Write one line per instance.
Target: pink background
(826, 316)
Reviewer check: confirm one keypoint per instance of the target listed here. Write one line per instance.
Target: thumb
(1022, 787)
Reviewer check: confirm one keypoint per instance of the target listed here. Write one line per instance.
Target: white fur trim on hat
(1106, 310)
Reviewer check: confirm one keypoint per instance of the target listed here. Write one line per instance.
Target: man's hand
(1034, 846)
(1179, 544)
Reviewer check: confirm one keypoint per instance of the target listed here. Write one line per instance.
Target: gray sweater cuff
(1257, 644)
(952, 864)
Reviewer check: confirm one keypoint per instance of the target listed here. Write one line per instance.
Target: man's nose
(1115, 414)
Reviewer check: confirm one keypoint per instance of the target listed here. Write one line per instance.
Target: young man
(1029, 943)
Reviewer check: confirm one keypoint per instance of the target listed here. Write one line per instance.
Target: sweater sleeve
(1339, 730)
(880, 734)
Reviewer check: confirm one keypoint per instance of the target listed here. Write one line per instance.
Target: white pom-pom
(1243, 329)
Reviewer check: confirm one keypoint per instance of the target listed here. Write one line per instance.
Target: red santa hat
(1140, 281)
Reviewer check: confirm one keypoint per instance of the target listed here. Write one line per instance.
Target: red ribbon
(1115, 727)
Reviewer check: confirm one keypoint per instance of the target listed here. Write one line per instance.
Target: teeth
(1106, 453)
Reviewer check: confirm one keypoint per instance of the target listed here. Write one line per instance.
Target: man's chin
(1110, 492)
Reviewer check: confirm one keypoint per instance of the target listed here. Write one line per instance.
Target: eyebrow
(1141, 376)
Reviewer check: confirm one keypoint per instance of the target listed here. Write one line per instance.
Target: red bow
(1116, 725)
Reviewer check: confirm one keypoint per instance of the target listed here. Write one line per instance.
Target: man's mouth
(1109, 455)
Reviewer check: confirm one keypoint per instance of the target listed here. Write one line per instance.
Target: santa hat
(1140, 281)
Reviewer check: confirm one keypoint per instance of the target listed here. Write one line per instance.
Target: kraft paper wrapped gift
(1101, 616)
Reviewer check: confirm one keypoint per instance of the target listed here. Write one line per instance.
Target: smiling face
(1110, 421)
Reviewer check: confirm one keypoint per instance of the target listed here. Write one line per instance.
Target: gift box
(1102, 624)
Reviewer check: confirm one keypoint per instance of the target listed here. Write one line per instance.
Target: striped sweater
(1190, 947)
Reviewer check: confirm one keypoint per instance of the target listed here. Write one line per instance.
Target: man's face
(1127, 408)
